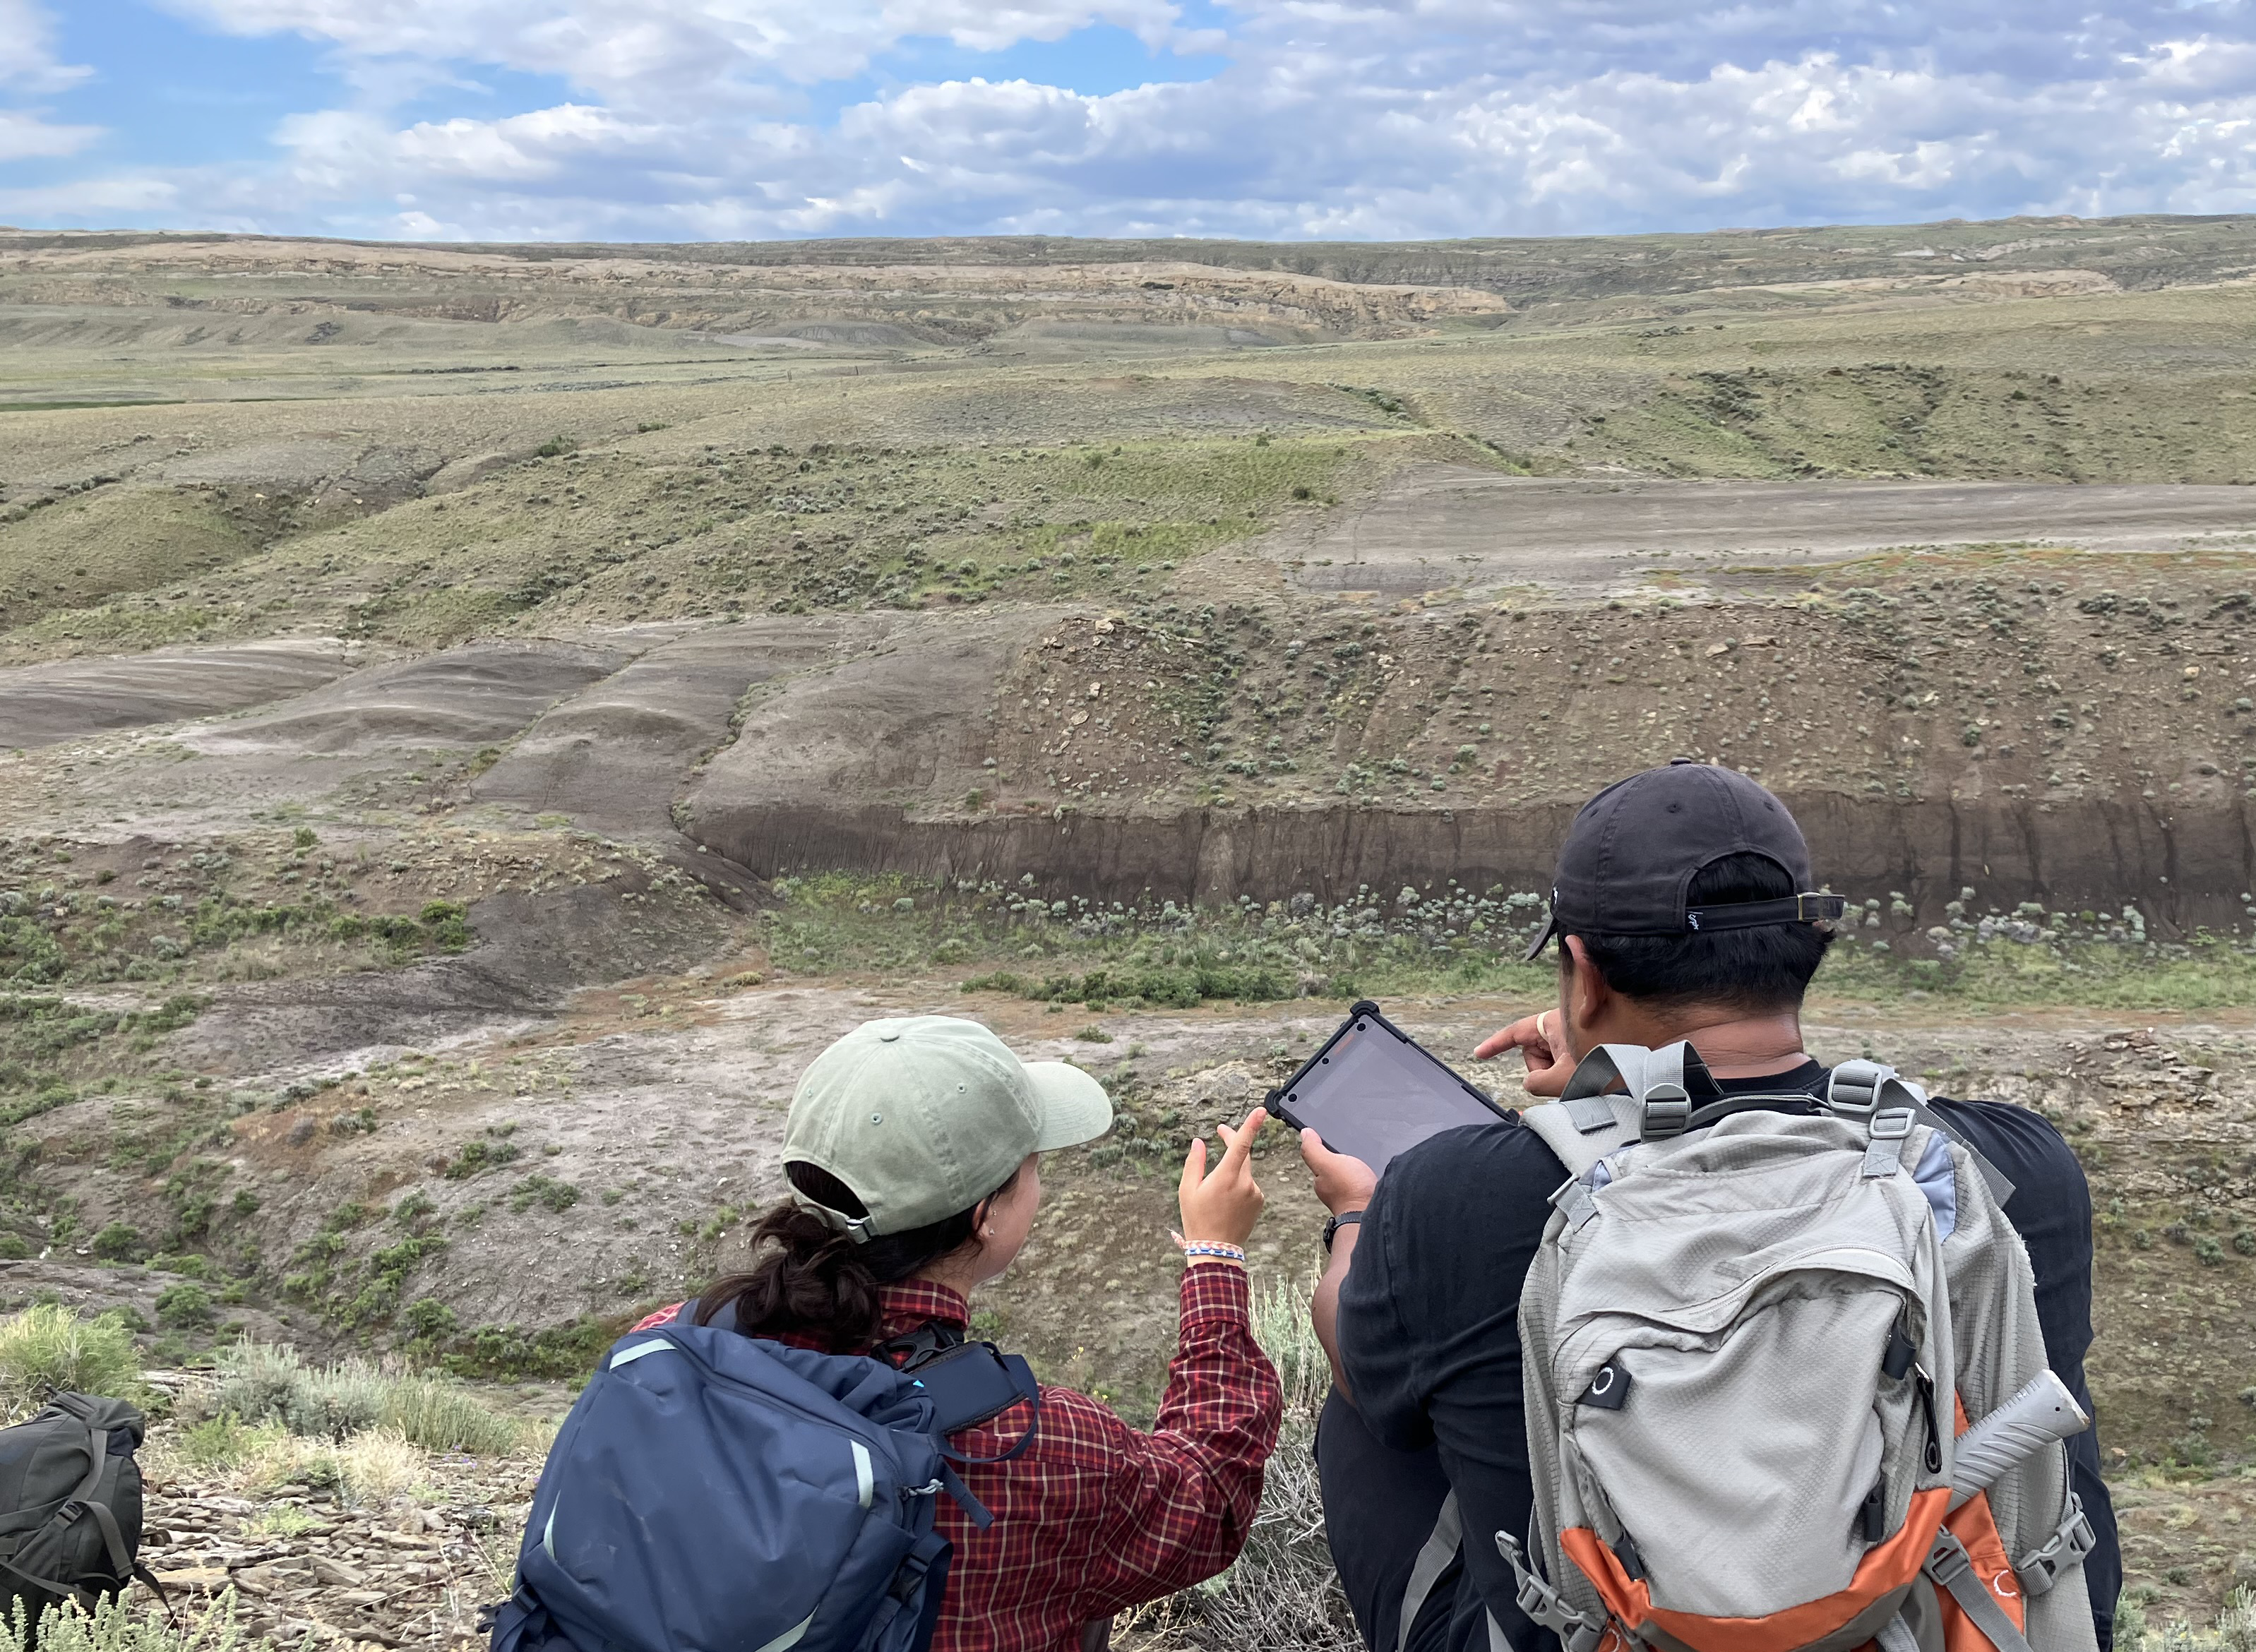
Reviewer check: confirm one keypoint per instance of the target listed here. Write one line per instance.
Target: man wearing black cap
(1684, 908)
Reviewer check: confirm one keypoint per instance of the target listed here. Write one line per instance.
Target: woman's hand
(1541, 1044)
(1220, 1209)
(1342, 1183)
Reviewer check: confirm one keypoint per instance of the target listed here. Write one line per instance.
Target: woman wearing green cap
(913, 1152)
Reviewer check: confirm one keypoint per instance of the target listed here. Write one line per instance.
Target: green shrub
(184, 1306)
(426, 1318)
(119, 1242)
(49, 1349)
(220, 1443)
(1168, 986)
(476, 1158)
(552, 1195)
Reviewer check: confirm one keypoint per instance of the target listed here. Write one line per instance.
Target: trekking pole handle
(2042, 1412)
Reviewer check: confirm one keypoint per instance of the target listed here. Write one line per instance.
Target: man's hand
(1541, 1045)
(1221, 1208)
(1342, 1183)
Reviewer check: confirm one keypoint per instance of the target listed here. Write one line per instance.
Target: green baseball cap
(923, 1116)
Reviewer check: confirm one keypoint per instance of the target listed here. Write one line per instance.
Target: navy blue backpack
(711, 1492)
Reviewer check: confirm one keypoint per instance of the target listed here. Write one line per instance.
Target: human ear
(1583, 989)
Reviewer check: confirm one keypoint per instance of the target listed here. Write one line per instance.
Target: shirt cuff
(1216, 1293)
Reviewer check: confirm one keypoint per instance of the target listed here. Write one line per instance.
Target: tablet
(1372, 1091)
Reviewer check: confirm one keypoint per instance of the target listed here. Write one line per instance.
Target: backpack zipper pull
(1927, 1404)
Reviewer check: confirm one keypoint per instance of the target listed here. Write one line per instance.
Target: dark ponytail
(808, 1279)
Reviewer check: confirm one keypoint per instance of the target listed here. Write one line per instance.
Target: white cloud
(29, 67)
(24, 135)
(27, 52)
(1331, 118)
(656, 49)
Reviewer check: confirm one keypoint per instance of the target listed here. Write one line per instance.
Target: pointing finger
(1241, 1141)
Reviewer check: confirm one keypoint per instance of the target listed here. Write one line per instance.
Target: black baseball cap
(1634, 849)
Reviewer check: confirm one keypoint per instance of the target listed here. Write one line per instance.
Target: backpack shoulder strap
(1585, 1130)
(1858, 1090)
(1592, 1116)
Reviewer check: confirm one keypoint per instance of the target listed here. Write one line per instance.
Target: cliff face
(2065, 743)
(2184, 867)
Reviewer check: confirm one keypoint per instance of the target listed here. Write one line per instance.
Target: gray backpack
(1785, 1387)
(70, 1505)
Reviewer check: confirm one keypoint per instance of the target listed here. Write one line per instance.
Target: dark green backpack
(70, 1505)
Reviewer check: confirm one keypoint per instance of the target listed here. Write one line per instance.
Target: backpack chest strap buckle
(1544, 1606)
(2071, 1543)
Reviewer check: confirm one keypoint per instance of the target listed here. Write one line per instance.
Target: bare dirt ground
(1455, 528)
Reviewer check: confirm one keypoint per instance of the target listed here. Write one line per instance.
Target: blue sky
(694, 119)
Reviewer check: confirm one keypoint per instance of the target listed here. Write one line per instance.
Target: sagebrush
(131, 1623)
(265, 1383)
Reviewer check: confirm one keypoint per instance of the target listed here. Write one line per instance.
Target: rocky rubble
(304, 1564)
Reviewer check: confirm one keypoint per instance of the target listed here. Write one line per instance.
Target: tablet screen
(1372, 1092)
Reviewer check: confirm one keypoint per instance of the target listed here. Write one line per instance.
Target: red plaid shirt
(1096, 1517)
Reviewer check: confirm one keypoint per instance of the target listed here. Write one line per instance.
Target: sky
(697, 120)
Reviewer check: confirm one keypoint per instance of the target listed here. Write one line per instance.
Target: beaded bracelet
(1228, 1253)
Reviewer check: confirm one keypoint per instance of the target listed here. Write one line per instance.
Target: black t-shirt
(1429, 1334)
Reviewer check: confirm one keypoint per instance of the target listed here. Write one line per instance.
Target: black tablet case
(1373, 1091)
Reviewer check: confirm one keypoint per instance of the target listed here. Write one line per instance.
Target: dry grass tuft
(48, 1350)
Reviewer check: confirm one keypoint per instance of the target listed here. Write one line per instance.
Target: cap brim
(1075, 1107)
(1542, 940)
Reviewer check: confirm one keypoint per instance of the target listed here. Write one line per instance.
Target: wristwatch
(1345, 1219)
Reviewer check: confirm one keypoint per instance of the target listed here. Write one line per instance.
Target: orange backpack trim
(1887, 1567)
(1975, 1526)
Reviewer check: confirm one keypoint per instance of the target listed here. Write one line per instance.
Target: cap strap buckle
(1810, 906)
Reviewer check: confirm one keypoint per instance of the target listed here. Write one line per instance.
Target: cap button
(1676, 761)
(888, 1037)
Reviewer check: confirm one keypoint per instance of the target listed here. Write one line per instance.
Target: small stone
(338, 1574)
(194, 1578)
